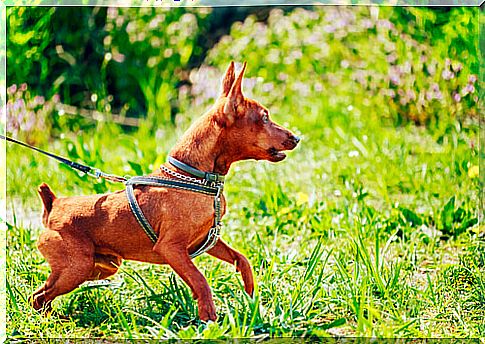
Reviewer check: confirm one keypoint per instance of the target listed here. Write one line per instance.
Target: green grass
(364, 230)
(370, 228)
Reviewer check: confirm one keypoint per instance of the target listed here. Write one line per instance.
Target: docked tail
(48, 198)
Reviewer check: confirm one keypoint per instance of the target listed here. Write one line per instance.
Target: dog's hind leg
(71, 260)
(223, 252)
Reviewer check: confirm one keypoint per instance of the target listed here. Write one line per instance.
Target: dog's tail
(48, 198)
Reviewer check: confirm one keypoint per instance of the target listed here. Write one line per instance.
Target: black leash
(83, 168)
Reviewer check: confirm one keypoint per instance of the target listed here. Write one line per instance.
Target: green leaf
(447, 215)
(136, 167)
(335, 323)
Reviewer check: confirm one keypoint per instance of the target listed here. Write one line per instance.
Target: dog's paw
(243, 266)
(40, 304)
(207, 311)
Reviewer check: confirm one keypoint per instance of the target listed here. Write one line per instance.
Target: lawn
(370, 228)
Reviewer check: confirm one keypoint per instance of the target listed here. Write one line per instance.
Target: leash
(211, 184)
(93, 172)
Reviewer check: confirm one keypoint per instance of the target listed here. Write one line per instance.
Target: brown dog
(88, 236)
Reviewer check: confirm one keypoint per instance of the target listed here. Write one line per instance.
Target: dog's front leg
(222, 251)
(177, 257)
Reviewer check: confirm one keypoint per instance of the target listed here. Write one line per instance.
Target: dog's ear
(228, 80)
(235, 95)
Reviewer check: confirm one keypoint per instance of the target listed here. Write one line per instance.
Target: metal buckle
(211, 177)
(96, 173)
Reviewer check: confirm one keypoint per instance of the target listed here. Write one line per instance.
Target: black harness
(212, 184)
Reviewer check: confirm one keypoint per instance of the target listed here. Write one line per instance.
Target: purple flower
(341, 23)
(313, 38)
(23, 87)
(18, 105)
(329, 29)
(391, 58)
(470, 88)
(472, 78)
(249, 83)
(367, 23)
(360, 76)
(384, 23)
(112, 12)
(268, 87)
(29, 122)
(411, 95)
(431, 69)
(282, 76)
(39, 100)
(395, 79)
(12, 126)
(12, 89)
(447, 74)
(456, 97)
(457, 67)
(302, 88)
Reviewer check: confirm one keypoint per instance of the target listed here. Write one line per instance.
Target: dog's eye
(265, 118)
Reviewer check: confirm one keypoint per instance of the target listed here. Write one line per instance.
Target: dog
(87, 237)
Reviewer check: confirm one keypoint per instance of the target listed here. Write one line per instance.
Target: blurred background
(385, 100)
(393, 64)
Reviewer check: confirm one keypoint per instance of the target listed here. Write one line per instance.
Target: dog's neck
(202, 146)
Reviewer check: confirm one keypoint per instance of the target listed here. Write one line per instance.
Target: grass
(370, 228)
(364, 230)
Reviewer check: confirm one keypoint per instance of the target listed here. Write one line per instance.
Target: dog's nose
(296, 138)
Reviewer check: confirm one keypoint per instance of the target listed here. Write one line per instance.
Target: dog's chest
(178, 208)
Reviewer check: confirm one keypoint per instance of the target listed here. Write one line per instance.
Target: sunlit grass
(351, 235)
(368, 229)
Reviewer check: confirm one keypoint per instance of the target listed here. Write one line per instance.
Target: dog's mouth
(276, 155)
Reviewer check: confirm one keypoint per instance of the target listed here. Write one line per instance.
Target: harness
(211, 184)
(207, 183)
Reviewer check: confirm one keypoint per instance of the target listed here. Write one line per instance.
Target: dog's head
(249, 130)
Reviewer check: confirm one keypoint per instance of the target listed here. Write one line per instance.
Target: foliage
(360, 57)
(125, 60)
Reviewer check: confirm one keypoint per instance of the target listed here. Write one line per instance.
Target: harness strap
(176, 184)
(138, 213)
(209, 176)
(215, 191)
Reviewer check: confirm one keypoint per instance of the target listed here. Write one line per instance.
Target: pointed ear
(235, 95)
(228, 80)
